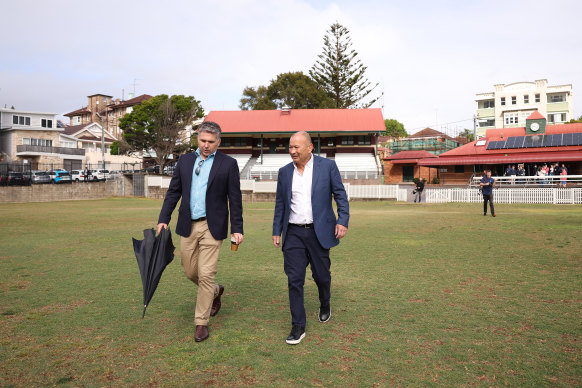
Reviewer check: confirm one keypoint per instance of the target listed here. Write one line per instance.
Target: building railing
(50, 150)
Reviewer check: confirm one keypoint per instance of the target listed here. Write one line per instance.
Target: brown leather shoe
(201, 333)
(216, 303)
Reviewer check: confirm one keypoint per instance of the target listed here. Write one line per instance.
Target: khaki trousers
(199, 253)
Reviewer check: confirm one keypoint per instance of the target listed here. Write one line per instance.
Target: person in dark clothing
(418, 190)
(487, 188)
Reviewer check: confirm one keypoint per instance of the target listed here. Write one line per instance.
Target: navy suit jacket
(326, 182)
(222, 193)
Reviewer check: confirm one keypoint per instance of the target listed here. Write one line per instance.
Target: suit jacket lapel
(188, 170)
(215, 166)
(316, 171)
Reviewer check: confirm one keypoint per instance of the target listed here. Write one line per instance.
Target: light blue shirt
(199, 185)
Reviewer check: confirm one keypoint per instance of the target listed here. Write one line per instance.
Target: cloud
(431, 58)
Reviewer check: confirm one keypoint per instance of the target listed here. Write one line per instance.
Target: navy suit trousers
(301, 248)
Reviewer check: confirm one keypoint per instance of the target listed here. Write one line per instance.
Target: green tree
(114, 147)
(158, 124)
(395, 128)
(579, 120)
(298, 91)
(467, 134)
(294, 89)
(256, 99)
(340, 72)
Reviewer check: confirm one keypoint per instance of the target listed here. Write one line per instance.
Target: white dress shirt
(301, 212)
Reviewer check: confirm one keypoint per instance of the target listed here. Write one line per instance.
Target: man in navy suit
(306, 225)
(208, 183)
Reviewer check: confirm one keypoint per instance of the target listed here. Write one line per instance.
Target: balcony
(29, 150)
(557, 106)
(486, 112)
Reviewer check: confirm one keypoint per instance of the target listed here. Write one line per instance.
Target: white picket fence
(542, 195)
(549, 195)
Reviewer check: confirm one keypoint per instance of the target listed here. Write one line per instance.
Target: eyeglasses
(197, 171)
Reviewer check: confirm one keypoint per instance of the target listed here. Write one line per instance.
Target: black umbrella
(153, 254)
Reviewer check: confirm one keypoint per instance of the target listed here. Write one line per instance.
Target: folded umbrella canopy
(153, 254)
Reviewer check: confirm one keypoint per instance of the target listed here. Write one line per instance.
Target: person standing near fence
(564, 174)
(418, 190)
(487, 187)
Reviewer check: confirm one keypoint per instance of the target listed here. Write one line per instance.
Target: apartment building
(34, 137)
(509, 105)
(105, 111)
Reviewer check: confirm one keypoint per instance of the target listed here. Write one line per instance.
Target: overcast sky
(430, 57)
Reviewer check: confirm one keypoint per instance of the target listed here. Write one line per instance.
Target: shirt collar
(308, 164)
(199, 155)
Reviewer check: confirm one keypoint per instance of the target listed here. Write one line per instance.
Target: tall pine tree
(340, 73)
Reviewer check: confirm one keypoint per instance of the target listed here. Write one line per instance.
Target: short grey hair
(210, 127)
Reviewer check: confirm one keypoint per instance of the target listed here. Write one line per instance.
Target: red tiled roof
(535, 116)
(411, 155)
(472, 154)
(310, 120)
(131, 102)
(70, 129)
(77, 112)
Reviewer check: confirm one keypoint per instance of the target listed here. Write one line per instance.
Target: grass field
(425, 295)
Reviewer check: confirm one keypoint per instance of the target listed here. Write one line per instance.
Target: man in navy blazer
(305, 220)
(208, 183)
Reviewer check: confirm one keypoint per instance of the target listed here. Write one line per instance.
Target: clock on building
(534, 127)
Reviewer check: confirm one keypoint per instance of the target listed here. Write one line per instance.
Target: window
(459, 169)
(347, 140)
(502, 101)
(76, 120)
(489, 104)
(557, 118)
(68, 144)
(239, 141)
(364, 140)
(538, 98)
(511, 118)
(45, 123)
(37, 142)
(526, 99)
(487, 123)
(20, 120)
(556, 98)
(513, 100)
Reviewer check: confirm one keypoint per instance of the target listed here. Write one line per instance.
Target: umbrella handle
(144, 309)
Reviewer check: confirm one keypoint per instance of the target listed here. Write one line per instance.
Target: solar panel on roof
(519, 141)
(543, 143)
(567, 139)
(510, 143)
(536, 141)
(491, 145)
(527, 142)
(578, 138)
(555, 140)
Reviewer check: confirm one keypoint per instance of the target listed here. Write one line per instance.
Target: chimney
(286, 110)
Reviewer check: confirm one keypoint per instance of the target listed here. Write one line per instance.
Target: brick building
(105, 111)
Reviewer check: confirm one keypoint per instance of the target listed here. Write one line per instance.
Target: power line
(452, 122)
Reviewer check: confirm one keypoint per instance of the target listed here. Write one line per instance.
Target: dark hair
(210, 127)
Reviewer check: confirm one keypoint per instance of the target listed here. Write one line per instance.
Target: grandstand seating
(271, 165)
(241, 159)
(351, 166)
(357, 166)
